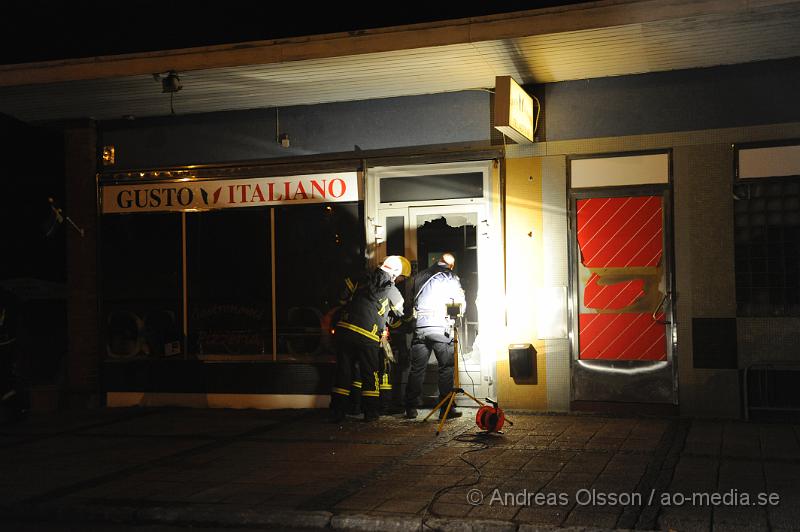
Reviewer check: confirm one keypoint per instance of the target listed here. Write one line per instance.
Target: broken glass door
(439, 233)
(455, 229)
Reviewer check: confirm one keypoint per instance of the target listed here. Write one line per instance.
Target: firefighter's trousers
(361, 355)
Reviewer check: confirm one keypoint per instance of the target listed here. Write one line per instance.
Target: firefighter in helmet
(397, 357)
(363, 321)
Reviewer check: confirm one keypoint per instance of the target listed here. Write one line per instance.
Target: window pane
(767, 240)
(431, 187)
(229, 282)
(317, 246)
(395, 235)
(141, 264)
(454, 233)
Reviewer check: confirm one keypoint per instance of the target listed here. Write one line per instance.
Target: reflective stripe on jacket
(375, 302)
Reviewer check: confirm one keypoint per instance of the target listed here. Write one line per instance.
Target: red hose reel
(491, 417)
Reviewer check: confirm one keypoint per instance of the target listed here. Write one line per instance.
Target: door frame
(374, 208)
(488, 238)
(629, 381)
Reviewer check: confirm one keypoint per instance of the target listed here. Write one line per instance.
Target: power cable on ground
(481, 439)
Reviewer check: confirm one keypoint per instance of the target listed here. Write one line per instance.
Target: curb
(183, 515)
(470, 525)
(278, 519)
(368, 523)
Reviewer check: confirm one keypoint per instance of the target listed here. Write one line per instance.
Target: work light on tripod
(453, 310)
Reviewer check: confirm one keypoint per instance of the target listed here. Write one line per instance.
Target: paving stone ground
(292, 468)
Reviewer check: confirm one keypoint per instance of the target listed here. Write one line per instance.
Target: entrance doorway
(421, 230)
(622, 308)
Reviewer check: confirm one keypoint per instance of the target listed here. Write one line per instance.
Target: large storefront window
(317, 246)
(229, 282)
(766, 196)
(141, 256)
(236, 281)
(767, 239)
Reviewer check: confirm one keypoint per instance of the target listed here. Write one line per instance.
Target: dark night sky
(47, 29)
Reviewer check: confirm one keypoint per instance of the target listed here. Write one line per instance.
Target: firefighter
(362, 323)
(396, 368)
(351, 283)
(434, 288)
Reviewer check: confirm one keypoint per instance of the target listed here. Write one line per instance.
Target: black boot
(452, 414)
(370, 413)
(391, 409)
(355, 406)
(337, 411)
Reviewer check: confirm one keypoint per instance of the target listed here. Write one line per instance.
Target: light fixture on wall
(170, 83)
(282, 138)
(108, 156)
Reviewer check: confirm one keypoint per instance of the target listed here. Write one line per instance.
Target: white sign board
(224, 194)
(772, 161)
(513, 110)
(620, 171)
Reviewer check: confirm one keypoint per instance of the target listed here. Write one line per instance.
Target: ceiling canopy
(581, 41)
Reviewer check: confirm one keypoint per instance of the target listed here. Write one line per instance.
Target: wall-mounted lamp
(108, 155)
(170, 83)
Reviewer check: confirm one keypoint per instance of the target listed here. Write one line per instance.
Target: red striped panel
(620, 232)
(625, 336)
(612, 296)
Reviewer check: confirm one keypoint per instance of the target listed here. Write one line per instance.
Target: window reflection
(141, 285)
(229, 282)
(317, 246)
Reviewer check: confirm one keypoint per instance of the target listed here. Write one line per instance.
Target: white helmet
(393, 266)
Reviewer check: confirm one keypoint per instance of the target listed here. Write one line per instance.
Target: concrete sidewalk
(283, 469)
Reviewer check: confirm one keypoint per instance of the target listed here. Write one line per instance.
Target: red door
(621, 278)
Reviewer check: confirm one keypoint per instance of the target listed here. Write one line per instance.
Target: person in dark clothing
(390, 399)
(363, 321)
(351, 283)
(396, 371)
(400, 333)
(434, 288)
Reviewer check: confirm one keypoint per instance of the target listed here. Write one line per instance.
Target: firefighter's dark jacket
(434, 288)
(375, 302)
(405, 325)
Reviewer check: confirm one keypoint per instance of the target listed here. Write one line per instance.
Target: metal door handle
(659, 306)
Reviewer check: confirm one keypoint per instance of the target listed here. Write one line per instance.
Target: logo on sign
(231, 193)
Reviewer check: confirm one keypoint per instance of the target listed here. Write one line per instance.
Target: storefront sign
(224, 194)
(513, 110)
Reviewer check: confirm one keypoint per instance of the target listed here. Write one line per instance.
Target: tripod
(451, 395)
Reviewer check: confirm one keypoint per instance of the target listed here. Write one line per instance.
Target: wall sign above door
(513, 110)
